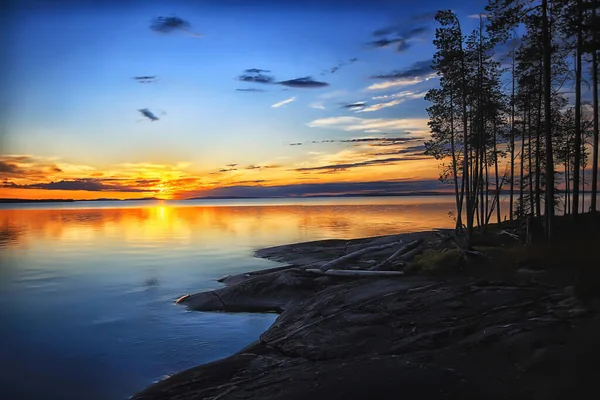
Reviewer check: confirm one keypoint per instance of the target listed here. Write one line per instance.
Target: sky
(179, 99)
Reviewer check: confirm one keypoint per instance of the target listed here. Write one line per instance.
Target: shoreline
(349, 337)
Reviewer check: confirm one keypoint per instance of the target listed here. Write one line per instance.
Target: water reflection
(217, 223)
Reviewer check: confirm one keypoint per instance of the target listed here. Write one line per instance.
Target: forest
(516, 112)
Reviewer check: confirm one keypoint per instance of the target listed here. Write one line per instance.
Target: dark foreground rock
(407, 337)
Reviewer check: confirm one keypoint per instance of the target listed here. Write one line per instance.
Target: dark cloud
(231, 165)
(8, 168)
(256, 70)
(88, 184)
(418, 69)
(367, 163)
(145, 79)
(295, 144)
(171, 24)
(413, 150)
(251, 90)
(338, 188)
(257, 78)
(337, 67)
(393, 140)
(148, 114)
(306, 82)
(360, 104)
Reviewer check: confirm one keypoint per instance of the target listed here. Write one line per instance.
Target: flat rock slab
(404, 337)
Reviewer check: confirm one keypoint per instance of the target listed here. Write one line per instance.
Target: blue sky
(70, 96)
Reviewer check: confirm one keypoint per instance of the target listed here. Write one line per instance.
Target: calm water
(87, 289)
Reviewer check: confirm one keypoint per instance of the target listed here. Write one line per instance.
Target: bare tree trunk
(538, 131)
(595, 94)
(577, 144)
(530, 166)
(566, 187)
(547, 48)
(454, 167)
(498, 214)
(512, 141)
(522, 166)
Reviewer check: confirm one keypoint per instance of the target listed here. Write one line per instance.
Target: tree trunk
(595, 94)
(512, 142)
(577, 144)
(538, 131)
(546, 46)
(522, 166)
(498, 214)
(454, 167)
(530, 166)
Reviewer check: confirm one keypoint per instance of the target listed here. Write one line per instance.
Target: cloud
(412, 150)
(256, 71)
(250, 90)
(358, 124)
(7, 168)
(396, 83)
(88, 184)
(306, 82)
(337, 188)
(317, 105)
(148, 114)
(283, 102)
(257, 78)
(295, 144)
(418, 69)
(392, 140)
(406, 94)
(355, 106)
(400, 43)
(337, 67)
(171, 24)
(145, 79)
(367, 163)
(379, 106)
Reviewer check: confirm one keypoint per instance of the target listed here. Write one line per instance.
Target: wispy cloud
(367, 163)
(418, 72)
(406, 94)
(398, 83)
(317, 105)
(379, 106)
(283, 102)
(250, 90)
(362, 124)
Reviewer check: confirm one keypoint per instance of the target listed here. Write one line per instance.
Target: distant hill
(36, 200)
(424, 193)
(70, 200)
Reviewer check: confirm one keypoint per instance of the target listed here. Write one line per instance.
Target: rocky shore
(496, 333)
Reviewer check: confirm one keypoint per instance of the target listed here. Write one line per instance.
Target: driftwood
(512, 235)
(401, 251)
(354, 273)
(179, 300)
(331, 264)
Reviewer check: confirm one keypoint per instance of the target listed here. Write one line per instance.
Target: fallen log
(401, 251)
(331, 264)
(354, 273)
(512, 235)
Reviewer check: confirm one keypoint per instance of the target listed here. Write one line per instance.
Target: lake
(87, 288)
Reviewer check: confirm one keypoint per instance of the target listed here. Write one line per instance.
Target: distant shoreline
(331, 196)
(229, 197)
